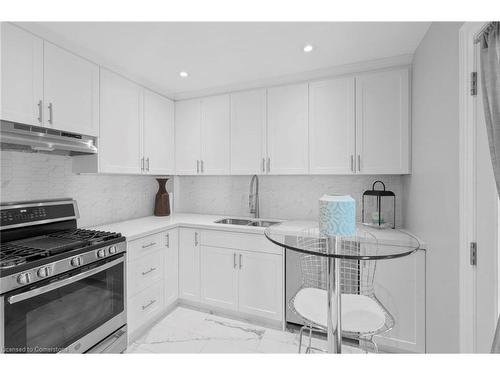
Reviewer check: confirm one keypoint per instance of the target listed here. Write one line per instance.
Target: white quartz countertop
(144, 226)
(136, 228)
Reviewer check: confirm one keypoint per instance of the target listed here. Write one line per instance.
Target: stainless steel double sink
(247, 222)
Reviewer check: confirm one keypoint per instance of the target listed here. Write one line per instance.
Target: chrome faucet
(253, 197)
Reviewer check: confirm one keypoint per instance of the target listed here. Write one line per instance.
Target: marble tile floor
(189, 331)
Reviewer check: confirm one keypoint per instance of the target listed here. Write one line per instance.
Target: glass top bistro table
(373, 244)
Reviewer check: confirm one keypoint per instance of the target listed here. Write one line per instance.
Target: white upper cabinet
(382, 122)
(120, 128)
(22, 76)
(215, 118)
(158, 134)
(332, 126)
(287, 129)
(187, 137)
(248, 132)
(71, 92)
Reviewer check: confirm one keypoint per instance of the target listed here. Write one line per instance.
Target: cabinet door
(331, 126)
(382, 118)
(187, 136)
(171, 266)
(71, 91)
(400, 287)
(215, 119)
(248, 132)
(158, 134)
(261, 284)
(120, 128)
(189, 264)
(287, 133)
(22, 76)
(219, 277)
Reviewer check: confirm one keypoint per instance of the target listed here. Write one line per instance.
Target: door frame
(467, 206)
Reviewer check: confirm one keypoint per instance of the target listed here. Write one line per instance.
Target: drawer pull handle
(144, 307)
(148, 245)
(151, 270)
(168, 240)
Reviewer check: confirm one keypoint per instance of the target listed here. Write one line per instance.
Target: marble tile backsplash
(281, 197)
(101, 198)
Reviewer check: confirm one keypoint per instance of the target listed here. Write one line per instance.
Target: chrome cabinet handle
(150, 270)
(142, 163)
(147, 164)
(352, 163)
(268, 165)
(148, 245)
(263, 165)
(51, 114)
(240, 261)
(195, 238)
(144, 307)
(40, 111)
(359, 163)
(234, 260)
(59, 284)
(168, 240)
(197, 166)
(201, 163)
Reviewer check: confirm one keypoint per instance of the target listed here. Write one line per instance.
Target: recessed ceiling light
(308, 48)
(183, 74)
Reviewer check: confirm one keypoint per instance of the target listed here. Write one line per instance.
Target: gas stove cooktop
(40, 240)
(25, 251)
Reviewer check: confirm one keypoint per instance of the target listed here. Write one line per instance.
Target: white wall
(431, 192)
(101, 198)
(281, 197)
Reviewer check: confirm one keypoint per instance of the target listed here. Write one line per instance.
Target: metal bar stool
(363, 315)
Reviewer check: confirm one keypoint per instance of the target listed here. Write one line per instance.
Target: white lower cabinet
(219, 277)
(243, 278)
(260, 287)
(189, 264)
(400, 287)
(152, 272)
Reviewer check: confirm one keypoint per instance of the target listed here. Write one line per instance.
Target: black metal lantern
(379, 207)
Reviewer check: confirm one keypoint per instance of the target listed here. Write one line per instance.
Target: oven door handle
(58, 284)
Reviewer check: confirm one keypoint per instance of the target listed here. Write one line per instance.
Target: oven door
(68, 313)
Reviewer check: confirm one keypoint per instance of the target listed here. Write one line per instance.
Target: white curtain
(490, 80)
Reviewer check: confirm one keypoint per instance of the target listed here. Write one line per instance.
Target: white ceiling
(224, 54)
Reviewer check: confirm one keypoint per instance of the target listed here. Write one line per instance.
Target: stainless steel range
(62, 289)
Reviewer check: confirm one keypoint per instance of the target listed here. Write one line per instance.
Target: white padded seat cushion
(359, 313)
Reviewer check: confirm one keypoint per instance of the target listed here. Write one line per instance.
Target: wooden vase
(162, 200)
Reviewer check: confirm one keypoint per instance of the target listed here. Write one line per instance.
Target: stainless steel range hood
(20, 137)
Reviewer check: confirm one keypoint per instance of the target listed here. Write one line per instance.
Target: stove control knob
(43, 272)
(101, 253)
(76, 261)
(112, 249)
(24, 278)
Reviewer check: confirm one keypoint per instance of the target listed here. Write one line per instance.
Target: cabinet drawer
(145, 271)
(240, 241)
(144, 246)
(144, 306)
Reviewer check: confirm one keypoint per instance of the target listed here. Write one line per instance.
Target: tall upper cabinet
(332, 126)
(45, 85)
(121, 123)
(202, 139)
(22, 76)
(287, 129)
(382, 122)
(248, 132)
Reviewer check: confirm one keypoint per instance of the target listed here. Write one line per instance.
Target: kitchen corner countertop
(144, 226)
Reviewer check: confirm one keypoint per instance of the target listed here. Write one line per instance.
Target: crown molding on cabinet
(312, 75)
